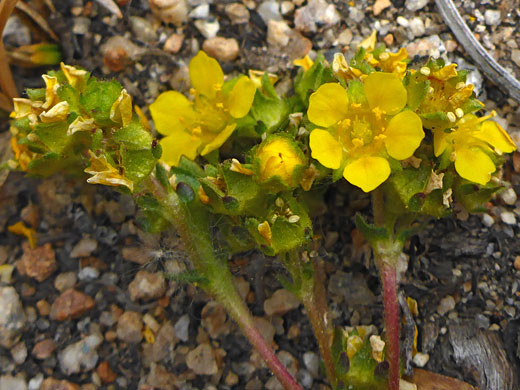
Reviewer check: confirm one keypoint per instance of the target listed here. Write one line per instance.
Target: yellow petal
(51, 86)
(206, 74)
(369, 43)
(367, 172)
(57, 113)
(474, 165)
(121, 110)
(219, 139)
(446, 72)
(305, 62)
(440, 142)
(403, 135)
(241, 97)
(81, 124)
(256, 77)
(326, 149)
(104, 173)
(172, 112)
(75, 77)
(21, 229)
(328, 105)
(385, 91)
(496, 136)
(179, 144)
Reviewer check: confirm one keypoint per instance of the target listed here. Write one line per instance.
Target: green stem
(193, 227)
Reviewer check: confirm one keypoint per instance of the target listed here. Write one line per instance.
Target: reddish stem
(388, 277)
(267, 353)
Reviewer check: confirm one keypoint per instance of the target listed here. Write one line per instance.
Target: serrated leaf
(409, 182)
(70, 95)
(416, 92)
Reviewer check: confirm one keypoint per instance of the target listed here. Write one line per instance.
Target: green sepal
(53, 135)
(471, 105)
(416, 90)
(268, 107)
(162, 176)
(22, 124)
(97, 99)
(35, 147)
(356, 92)
(134, 136)
(371, 232)
(310, 80)
(409, 182)
(36, 94)
(473, 196)
(157, 150)
(137, 164)
(97, 140)
(70, 95)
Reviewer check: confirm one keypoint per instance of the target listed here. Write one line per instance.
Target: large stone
(12, 317)
(71, 304)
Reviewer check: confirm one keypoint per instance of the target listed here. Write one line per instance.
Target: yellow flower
(279, 157)
(305, 62)
(470, 142)
(204, 124)
(359, 137)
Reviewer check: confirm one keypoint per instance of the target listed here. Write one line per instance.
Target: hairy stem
(388, 277)
(315, 302)
(193, 227)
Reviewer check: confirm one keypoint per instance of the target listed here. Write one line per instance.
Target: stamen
(384, 56)
(358, 142)
(460, 85)
(459, 112)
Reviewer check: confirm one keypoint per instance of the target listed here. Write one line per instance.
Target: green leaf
(356, 92)
(137, 164)
(23, 124)
(98, 98)
(134, 136)
(162, 176)
(310, 80)
(471, 105)
(188, 277)
(371, 232)
(152, 218)
(185, 192)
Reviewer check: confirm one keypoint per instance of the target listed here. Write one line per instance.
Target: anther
(460, 85)
(425, 71)
(451, 116)
(459, 112)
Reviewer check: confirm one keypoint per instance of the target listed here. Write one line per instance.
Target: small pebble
(516, 264)
(71, 304)
(8, 382)
(207, 28)
(420, 359)
(280, 303)
(269, 10)
(81, 356)
(19, 353)
(222, 49)
(129, 327)
(447, 303)
(172, 45)
(202, 361)
(237, 12)
(181, 328)
(142, 29)
(312, 363)
(12, 317)
(84, 248)
(200, 12)
(508, 196)
(508, 218)
(488, 220)
(415, 5)
(147, 286)
(492, 17)
(170, 11)
(515, 56)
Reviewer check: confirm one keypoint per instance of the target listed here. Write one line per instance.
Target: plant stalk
(386, 254)
(315, 302)
(193, 227)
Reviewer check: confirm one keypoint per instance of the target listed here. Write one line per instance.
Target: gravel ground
(90, 308)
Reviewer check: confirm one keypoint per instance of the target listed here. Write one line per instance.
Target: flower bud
(278, 159)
